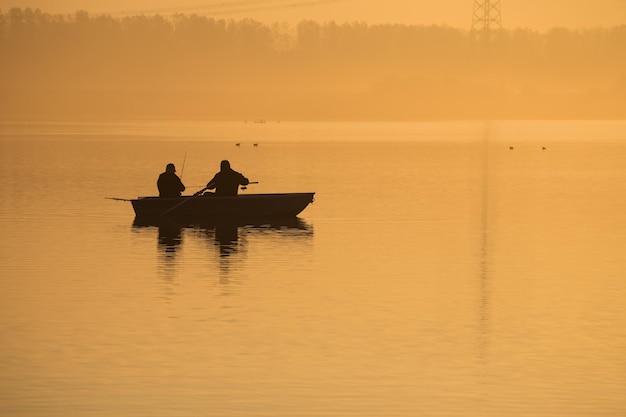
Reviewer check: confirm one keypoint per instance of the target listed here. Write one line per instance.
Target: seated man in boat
(226, 182)
(169, 184)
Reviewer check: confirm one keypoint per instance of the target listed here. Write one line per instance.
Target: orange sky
(535, 14)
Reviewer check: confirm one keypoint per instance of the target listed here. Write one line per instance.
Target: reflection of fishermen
(227, 181)
(169, 184)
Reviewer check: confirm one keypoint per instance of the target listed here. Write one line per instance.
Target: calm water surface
(437, 273)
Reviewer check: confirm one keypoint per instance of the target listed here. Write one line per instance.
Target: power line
(222, 8)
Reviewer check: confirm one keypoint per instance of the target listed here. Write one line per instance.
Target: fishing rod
(182, 170)
(243, 187)
(200, 186)
(117, 199)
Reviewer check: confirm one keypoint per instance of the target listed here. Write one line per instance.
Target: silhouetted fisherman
(169, 184)
(227, 181)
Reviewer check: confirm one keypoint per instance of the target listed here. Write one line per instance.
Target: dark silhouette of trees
(191, 66)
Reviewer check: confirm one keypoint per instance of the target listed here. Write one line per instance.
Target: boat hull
(212, 208)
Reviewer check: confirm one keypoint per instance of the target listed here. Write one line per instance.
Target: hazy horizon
(88, 66)
(532, 14)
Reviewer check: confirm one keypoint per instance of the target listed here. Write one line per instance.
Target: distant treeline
(189, 66)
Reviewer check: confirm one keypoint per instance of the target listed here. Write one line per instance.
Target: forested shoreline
(84, 66)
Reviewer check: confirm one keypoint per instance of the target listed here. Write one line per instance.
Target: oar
(197, 193)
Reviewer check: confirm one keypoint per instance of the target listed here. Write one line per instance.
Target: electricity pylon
(487, 19)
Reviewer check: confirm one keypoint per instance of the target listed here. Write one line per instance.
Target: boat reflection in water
(170, 236)
(219, 250)
(225, 235)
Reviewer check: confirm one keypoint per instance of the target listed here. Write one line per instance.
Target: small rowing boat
(211, 208)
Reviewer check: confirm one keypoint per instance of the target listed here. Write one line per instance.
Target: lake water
(437, 273)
